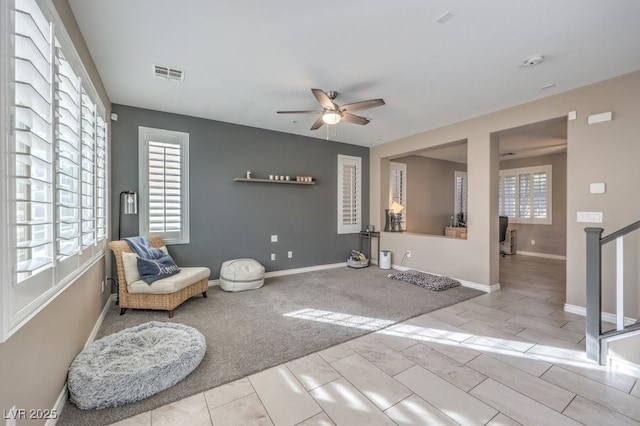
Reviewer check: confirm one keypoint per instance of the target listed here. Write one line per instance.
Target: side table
(368, 236)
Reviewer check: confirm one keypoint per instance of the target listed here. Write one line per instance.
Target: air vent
(168, 73)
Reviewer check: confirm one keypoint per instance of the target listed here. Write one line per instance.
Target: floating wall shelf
(290, 182)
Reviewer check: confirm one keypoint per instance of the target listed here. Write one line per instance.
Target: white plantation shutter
(525, 194)
(101, 179)
(88, 172)
(68, 143)
(349, 194)
(164, 178)
(461, 193)
(540, 195)
(32, 152)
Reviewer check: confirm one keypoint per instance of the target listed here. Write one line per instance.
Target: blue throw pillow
(152, 270)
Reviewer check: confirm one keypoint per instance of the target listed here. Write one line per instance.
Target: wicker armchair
(165, 301)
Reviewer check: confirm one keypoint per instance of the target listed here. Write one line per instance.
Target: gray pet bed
(425, 280)
(134, 364)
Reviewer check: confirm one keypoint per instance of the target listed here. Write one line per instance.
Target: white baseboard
(545, 255)
(606, 316)
(303, 270)
(64, 394)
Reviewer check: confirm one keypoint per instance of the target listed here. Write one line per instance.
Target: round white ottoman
(241, 274)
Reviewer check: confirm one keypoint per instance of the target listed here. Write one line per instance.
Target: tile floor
(505, 358)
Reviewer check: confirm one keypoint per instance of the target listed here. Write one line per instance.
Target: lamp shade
(397, 207)
(130, 202)
(331, 117)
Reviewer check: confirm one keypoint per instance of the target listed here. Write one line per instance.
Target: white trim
(606, 316)
(545, 255)
(623, 366)
(349, 160)
(145, 136)
(284, 272)
(517, 173)
(213, 283)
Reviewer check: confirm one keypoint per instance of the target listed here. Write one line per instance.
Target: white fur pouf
(134, 364)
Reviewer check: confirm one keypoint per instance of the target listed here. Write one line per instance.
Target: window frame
(356, 226)
(530, 172)
(145, 136)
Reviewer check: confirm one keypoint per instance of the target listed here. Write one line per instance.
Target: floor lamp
(129, 206)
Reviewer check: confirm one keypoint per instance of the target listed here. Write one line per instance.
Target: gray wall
(236, 219)
(430, 193)
(550, 239)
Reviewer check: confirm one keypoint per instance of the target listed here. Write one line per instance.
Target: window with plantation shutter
(460, 195)
(525, 194)
(164, 157)
(349, 194)
(52, 112)
(398, 188)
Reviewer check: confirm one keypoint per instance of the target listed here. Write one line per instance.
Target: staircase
(598, 341)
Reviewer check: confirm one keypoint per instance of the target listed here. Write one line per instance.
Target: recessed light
(532, 61)
(444, 17)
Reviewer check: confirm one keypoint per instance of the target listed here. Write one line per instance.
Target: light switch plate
(590, 217)
(274, 238)
(597, 188)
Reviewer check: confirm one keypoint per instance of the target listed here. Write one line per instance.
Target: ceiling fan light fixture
(331, 117)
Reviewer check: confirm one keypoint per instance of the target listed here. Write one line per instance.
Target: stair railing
(597, 341)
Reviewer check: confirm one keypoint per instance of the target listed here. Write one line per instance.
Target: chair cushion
(241, 274)
(182, 279)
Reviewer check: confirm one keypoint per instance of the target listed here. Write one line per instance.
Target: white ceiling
(246, 59)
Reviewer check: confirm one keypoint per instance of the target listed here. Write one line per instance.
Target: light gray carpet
(247, 332)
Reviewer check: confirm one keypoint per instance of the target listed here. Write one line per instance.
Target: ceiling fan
(333, 113)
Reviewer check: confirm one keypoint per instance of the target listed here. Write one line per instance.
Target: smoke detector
(532, 61)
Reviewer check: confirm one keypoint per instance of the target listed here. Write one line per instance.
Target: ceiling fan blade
(356, 119)
(317, 124)
(324, 99)
(358, 106)
(300, 112)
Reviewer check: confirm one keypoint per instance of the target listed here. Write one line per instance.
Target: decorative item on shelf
(270, 177)
(249, 174)
(370, 228)
(130, 206)
(396, 217)
(357, 260)
(287, 178)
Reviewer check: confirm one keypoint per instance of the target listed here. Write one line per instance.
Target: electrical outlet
(289, 254)
(273, 256)
(408, 253)
(533, 242)
(274, 238)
